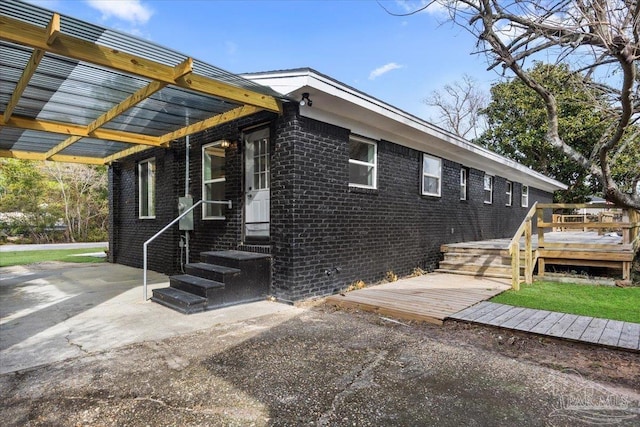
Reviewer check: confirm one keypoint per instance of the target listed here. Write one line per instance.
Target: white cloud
(128, 10)
(384, 69)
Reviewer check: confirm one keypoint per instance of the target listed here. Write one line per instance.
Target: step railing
(514, 250)
(166, 227)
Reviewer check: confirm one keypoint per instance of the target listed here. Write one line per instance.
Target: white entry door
(257, 193)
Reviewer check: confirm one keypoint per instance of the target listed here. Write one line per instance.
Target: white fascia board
(343, 106)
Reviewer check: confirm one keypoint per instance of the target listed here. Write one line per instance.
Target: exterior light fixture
(305, 100)
(225, 143)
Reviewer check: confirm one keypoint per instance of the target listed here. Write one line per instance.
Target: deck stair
(222, 278)
(477, 261)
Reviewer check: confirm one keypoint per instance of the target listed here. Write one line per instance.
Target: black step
(235, 259)
(181, 301)
(205, 288)
(218, 273)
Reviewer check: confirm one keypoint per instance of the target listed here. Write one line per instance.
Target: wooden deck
(430, 298)
(611, 333)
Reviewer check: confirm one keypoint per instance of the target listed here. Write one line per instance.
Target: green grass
(608, 302)
(30, 257)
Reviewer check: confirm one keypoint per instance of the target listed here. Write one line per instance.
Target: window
(362, 163)
(213, 179)
(147, 189)
(463, 184)
(431, 175)
(525, 196)
(488, 189)
(509, 193)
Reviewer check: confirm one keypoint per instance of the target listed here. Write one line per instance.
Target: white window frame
(210, 181)
(490, 188)
(463, 184)
(425, 174)
(150, 190)
(373, 165)
(509, 193)
(524, 199)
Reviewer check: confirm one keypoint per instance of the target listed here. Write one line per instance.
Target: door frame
(246, 133)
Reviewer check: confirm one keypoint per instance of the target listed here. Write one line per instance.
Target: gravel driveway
(319, 367)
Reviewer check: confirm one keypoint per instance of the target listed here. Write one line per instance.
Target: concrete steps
(223, 278)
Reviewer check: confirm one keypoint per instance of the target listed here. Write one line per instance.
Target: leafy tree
(23, 200)
(517, 124)
(81, 192)
(34, 196)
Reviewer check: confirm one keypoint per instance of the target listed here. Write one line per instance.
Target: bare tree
(458, 107)
(598, 39)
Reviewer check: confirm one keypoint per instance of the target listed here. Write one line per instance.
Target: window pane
(488, 182)
(487, 196)
(431, 166)
(361, 151)
(360, 174)
(214, 163)
(144, 189)
(152, 189)
(146, 186)
(430, 185)
(214, 191)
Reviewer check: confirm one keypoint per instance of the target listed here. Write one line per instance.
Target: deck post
(515, 265)
(540, 220)
(528, 254)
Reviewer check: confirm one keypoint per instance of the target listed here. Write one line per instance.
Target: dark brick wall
(130, 233)
(324, 234)
(327, 235)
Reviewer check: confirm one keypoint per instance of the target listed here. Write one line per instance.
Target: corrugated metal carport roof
(72, 91)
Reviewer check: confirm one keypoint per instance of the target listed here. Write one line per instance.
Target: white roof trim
(339, 104)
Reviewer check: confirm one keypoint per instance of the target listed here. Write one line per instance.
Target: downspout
(186, 189)
(186, 182)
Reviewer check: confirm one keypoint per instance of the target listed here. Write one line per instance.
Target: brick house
(339, 188)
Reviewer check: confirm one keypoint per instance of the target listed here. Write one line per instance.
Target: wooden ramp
(430, 298)
(591, 330)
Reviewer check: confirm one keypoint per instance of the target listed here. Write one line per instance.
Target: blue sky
(399, 60)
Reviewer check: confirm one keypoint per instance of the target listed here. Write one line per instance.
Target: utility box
(185, 223)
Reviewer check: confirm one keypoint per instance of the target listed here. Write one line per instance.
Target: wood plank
(69, 129)
(578, 327)
(630, 336)
(547, 323)
(489, 317)
(487, 307)
(31, 155)
(466, 312)
(521, 316)
(27, 73)
(583, 225)
(562, 325)
(593, 332)
(588, 255)
(506, 316)
(611, 334)
(533, 318)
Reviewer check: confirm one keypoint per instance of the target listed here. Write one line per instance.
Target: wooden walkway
(611, 333)
(430, 298)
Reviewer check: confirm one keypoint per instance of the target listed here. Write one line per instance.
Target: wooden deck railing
(626, 221)
(514, 250)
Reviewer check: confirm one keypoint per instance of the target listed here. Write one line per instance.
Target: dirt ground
(333, 368)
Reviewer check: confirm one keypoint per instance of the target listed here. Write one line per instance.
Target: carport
(75, 92)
